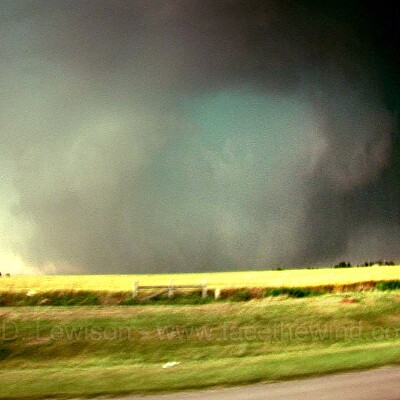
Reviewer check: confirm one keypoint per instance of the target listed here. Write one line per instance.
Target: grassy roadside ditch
(97, 349)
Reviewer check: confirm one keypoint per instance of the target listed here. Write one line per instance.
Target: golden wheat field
(121, 283)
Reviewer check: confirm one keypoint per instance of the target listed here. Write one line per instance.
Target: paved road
(378, 384)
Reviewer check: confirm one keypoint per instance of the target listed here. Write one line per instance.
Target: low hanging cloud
(186, 136)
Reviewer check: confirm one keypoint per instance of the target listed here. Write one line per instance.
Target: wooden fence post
(204, 289)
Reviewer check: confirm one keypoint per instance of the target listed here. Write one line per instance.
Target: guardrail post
(217, 293)
(171, 290)
(135, 289)
(204, 289)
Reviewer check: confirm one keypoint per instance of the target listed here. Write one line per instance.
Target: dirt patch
(349, 300)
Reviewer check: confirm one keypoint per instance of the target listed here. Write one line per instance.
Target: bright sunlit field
(121, 283)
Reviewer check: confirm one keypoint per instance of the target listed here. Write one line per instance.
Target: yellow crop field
(122, 283)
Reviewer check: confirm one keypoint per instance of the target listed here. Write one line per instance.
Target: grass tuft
(388, 285)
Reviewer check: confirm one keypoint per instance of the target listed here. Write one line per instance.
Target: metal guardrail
(170, 289)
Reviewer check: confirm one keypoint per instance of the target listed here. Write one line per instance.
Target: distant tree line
(344, 264)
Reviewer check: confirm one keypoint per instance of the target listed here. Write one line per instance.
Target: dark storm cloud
(161, 136)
